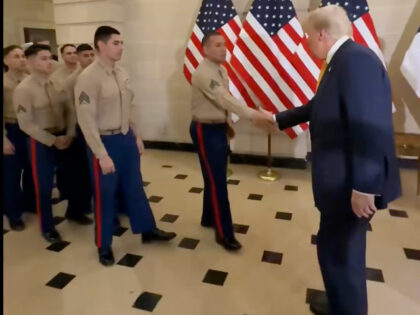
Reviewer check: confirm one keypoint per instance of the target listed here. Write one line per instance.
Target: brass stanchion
(269, 175)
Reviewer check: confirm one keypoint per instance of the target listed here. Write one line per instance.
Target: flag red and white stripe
(271, 57)
(220, 16)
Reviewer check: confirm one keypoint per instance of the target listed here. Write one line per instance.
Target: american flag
(410, 67)
(363, 28)
(220, 16)
(271, 56)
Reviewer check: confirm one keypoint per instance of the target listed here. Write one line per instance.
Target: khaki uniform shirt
(42, 110)
(65, 78)
(211, 99)
(10, 81)
(104, 103)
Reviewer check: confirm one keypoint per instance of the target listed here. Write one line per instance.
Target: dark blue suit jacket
(351, 131)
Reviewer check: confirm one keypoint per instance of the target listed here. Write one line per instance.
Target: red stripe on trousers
(96, 171)
(36, 180)
(212, 182)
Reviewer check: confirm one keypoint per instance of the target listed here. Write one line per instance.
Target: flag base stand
(229, 172)
(269, 175)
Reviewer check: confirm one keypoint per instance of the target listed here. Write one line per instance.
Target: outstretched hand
(264, 120)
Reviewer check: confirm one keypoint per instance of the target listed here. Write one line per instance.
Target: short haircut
(331, 18)
(67, 45)
(6, 51)
(83, 47)
(207, 37)
(35, 49)
(104, 33)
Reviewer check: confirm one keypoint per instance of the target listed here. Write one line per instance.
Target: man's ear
(205, 50)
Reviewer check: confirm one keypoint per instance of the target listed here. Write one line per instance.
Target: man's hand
(363, 205)
(107, 165)
(63, 142)
(140, 145)
(8, 147)
(264, 120)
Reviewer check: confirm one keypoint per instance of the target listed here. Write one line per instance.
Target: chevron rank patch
(21, 109)
(84, 98)
(214, 84)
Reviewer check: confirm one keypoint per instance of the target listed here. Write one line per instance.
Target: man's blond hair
(332, 18)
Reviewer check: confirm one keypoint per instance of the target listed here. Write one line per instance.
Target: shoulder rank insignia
(21, 109)
(214, 84)
(84, 98)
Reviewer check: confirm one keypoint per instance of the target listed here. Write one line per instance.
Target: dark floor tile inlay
(240, 228)
(57, 220)
(130, 260)
(255, 197)
(398, 213)
(145, 184)
(60, 280)
(189, 243)
(313, 295)
(284, 216)
(272, 257)
(215, 277)
(313, 239)
(233, 182)
(374, 275)
(412, 253)
(291, 188)
(120, 231)
(170, 218)
(196, 190)
(181, 176)
(167, 166)
(147, 301)
(59, 246)
(155, 199)
(5, 231)
(369, 227)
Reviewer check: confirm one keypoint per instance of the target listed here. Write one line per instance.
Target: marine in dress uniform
(211, 108)
(18, 192)
(110, 124)
(47, 116)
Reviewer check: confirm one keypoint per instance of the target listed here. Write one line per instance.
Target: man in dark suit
(354, 166)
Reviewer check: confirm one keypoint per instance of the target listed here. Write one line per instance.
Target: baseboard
(235, 158)
(261, 160)
(170, 146)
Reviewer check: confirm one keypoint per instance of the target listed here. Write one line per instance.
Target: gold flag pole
(269, 175)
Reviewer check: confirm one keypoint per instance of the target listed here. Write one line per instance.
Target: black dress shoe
(17, 225)
(319, 306)
(229, 244)
(318, 309)
(106, 257)
(80, 219)
(52, 236)
(157, 235)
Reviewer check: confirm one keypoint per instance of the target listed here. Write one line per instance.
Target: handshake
(264, 120)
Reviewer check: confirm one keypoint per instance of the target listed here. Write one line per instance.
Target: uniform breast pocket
(109, 90)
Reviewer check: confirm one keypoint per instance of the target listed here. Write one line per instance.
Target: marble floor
(276, 272)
